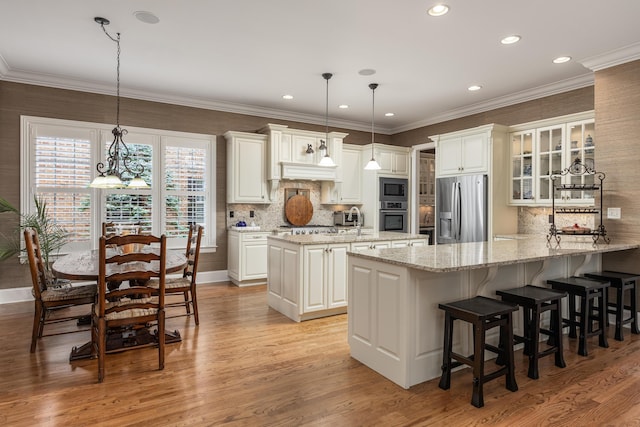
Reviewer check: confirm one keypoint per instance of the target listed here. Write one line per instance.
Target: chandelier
(118, 159)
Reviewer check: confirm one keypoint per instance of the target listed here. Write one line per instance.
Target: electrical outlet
(230, 214)
(252, 214)
(550, 219)
(614, 213)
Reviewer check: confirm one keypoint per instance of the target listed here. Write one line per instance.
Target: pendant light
(118, 159)
(372, 165)
(326, 160)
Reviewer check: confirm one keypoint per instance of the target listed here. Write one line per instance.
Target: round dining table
(83, 265)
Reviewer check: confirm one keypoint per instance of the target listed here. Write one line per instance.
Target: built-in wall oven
(393, 212)
(393, 216)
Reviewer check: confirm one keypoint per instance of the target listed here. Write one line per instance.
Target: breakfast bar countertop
(466, 256)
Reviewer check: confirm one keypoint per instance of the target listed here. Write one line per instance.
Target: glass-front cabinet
(544, 150)
(522, 166)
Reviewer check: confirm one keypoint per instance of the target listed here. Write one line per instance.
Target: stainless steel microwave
(394, 189)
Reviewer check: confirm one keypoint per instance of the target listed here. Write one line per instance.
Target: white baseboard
(11, 295)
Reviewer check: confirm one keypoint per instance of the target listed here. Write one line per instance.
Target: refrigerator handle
(456, 219)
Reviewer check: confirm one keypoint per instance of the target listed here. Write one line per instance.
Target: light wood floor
(248, 365)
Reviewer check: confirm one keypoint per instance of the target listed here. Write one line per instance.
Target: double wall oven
(394, 204)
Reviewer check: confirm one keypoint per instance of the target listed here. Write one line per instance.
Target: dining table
(84, 266)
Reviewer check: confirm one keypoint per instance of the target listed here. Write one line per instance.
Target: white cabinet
(427, 180)
(246, 168)
(543, 149)
(481, 150)
(462, 154)
(325, 277)
(392, 160)
(247, 257)
(349, 190)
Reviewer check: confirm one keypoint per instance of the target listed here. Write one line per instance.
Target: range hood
(307, 172)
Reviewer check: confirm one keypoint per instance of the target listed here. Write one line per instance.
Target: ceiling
(242, 56)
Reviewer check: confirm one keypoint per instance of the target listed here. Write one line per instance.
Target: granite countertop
(314, 239)
(467, 256)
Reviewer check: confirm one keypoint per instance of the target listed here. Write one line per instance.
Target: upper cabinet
(462, 154)
(543, 149)
(289, 155)
(427, 179)
(348, 191)
(246, 168)
(392, 160)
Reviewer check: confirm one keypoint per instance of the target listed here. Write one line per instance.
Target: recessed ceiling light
(389, 114)
(146, 17)
(562, 59)
(287, 96)
(510, 39)
(343, 106)
(473, 88)
(438, 10)
(367, 72)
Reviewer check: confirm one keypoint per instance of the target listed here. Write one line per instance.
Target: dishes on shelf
(576, 229)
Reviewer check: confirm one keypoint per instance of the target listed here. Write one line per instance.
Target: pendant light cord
(117, 41)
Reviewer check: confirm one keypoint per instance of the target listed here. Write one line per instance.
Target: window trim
(97, 132)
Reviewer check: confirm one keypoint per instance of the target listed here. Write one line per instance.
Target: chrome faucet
(358, 224)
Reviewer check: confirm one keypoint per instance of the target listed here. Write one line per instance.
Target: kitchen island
(394, 324)
(307, 273)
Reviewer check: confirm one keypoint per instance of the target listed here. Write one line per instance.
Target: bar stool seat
(587, 290)
(536, 300)
(622, 282)
(484, 314)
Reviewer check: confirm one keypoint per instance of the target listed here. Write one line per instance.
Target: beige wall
(20, 99)
(617, 107)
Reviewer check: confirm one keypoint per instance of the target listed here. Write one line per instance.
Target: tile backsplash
(272, 215)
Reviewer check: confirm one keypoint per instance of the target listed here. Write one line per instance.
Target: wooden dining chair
(49, 300)
(135, 306)
(186, 285)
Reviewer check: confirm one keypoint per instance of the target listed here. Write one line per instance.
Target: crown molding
(612, 58)
(503, 101)
(41, 79)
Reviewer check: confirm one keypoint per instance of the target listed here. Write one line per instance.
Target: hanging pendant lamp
(326, 160)
(118, 159)
(372, 165)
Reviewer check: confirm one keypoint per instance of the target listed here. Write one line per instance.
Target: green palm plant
(51, 235)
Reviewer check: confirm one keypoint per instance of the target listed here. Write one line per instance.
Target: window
(59, 161)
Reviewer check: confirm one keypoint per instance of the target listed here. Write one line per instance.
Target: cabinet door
(401, 163)
(314, 293)
(254, 257)
(248, 171)
(448, 160)
(551, 161)
(337, 275)
(474, 152)
(351, 177)
(522, 144)
(581, 145)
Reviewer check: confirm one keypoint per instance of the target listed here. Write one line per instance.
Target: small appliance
(342, 218)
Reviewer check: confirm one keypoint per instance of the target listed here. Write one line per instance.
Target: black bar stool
(484, 314)
(587, 290)
(622, 282)
(535, 301)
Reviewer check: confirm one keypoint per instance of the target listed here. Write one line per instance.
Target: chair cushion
(134, 312)
(69, 293)
(177, 282)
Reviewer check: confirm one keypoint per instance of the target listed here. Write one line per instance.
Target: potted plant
(51, 235)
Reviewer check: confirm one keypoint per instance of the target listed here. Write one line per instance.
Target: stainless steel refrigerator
(461, 209)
